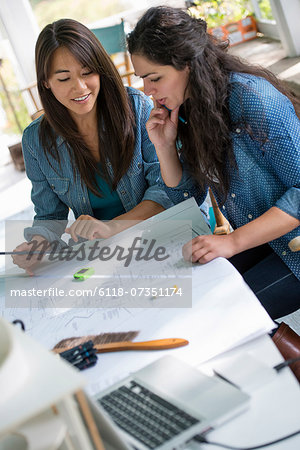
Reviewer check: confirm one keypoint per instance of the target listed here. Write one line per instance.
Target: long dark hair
(114, 111)
(170, 36)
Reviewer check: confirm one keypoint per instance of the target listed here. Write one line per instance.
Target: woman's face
(166, 84)
(73, 85)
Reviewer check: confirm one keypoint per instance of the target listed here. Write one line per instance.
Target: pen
(179, 117)
(28, 252)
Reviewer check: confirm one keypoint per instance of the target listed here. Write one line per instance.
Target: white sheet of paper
(224, 311)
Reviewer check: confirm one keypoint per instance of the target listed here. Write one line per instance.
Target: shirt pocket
(136, 166)
(60, 187)
(245, 153)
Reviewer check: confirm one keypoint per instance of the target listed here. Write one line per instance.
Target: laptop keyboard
(144, 415)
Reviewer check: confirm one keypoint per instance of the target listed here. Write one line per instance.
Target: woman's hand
(89, 228)
(30, 261)
(267, 227)
(162, 131)
(203, 249)
(162, 127)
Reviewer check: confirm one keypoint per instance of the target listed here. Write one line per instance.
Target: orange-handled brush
(158, 344)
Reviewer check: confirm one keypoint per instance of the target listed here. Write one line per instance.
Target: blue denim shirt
(269, 174)
(55, 189)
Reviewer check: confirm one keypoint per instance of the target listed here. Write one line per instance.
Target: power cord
(202, 439)
(280, 366)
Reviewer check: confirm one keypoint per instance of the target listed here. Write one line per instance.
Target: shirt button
(223, 207)
(185, 194)
(250, 216)
(139, 165)
(52, 186)
(233, 195)
(283, 253)
(123, 192)
(238, 130)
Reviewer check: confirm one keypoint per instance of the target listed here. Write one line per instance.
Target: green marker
(83, 274)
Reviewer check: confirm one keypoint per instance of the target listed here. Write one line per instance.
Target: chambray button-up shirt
(56, 189)
(268, 174)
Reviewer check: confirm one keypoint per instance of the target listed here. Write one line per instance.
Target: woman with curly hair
(234, 127)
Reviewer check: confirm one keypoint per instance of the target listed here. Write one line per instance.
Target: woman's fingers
(198, 249)
(153, 122)
(159, 111)
(205, 248)
(187, 249)
(27, 261)
(203, 256)
(72, 231)
(89, 228)
(162, 126)
(77, 228)
(157, 115)
(92, 231)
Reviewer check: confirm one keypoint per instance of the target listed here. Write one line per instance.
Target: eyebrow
(65, 70)
(61, 71)
(147, 74)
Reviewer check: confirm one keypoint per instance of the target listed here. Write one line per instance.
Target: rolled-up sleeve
(282, 147)
(283, 153)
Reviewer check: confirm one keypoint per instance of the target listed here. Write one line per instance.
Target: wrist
(114, 226)
(38, 238)
(237, 242)
(170, 147)
(166, 153)
(171, 173)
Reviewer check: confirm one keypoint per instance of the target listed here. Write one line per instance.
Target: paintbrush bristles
(106, 338)
(103, 338)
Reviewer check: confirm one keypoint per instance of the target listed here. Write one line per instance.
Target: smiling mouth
(81, 99)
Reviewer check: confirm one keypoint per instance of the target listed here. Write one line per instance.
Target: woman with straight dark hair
(90, 151)
(223, 123)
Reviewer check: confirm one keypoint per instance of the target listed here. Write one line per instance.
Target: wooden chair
(32, 91)
(34, 95)
(37, 114)
(113, 39)
(223, 226)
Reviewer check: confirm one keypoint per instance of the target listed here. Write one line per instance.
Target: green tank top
(109, 205)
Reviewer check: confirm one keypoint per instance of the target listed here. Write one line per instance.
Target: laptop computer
(164, 405)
